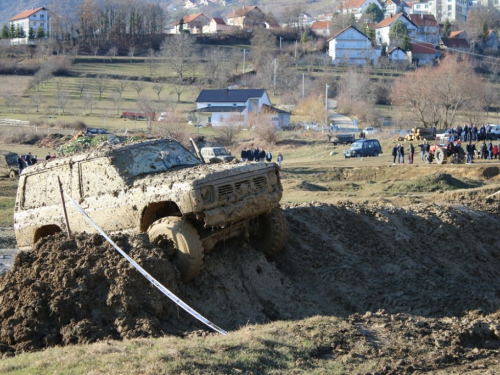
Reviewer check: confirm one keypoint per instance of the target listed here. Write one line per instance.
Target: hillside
(69, 7)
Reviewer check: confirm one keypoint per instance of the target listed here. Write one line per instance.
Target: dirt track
(429, 271)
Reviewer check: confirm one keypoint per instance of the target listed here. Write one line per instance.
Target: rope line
(153, 281)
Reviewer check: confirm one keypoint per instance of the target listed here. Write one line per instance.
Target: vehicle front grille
(225, 192)
(260, 183)
(243, 188)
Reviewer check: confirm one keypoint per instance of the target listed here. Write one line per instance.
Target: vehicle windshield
(11, 159)
(152, 157)
(357, 145)
(220, 151)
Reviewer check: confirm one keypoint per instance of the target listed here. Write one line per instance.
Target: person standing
(262, 154)
(423, 149)
(280, 159)
(269, 156)
(244, 154)
(394, 154)
(402, 153)
(490, 150)
(411, 152)
(20, 164)
(256, 154)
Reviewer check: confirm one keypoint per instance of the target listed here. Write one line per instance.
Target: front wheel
(269, 232)
(185, 240)
(12, 174)
(375, 154)
(440, 156)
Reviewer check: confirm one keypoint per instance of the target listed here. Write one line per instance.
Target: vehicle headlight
(207, 194)
(272, 178)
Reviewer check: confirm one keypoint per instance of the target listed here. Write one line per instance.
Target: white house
(222, 107)
(382, 29)
(352, 47)
(36, 18)
(396, 54)
(395, 7)
(322, 28)
(420, 7)
(216, 25)
(357, 6)
(193, 23)
(422, 53)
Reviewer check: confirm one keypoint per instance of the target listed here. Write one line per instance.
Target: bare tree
(179, 89)
(62, 99)
(37, 100)
(218, 66)
(112, 52)
(59, 84)
(95, 48)
(138, 86)
(148, 108)
(173, 125)
(229, 128)
(177, 51)
(353, 87)
(120, 87)
(82, 84)
(88, 100)
(158, 88)
(101, 84)
(131, 52)
(10, 100)
(117, 102)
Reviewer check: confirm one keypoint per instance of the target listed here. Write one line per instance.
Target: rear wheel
(375, 154)
(269, 232)
(12, 174)
(358, 155)
(186, 241)
(440, 156)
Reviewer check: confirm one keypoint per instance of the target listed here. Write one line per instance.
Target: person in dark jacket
(394, 154)
(20, 164)
(244, 154)
(256, 154)
(411, 152)
(269, 156)
(262, 154)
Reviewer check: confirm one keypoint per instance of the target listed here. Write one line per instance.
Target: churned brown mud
(427, 271)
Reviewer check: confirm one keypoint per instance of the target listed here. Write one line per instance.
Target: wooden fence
(13, 126)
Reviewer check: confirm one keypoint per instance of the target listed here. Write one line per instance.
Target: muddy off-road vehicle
(8, 164)
(158, 187)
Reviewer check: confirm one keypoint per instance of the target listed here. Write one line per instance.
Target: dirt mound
(81, 291)
(54, 140)
(431, 261)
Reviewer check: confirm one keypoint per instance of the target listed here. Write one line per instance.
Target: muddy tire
(440, 156)
(428, 158)
(12, 174)
(269, 232)
(185, 240)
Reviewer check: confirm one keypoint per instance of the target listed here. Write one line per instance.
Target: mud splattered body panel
(127, 188)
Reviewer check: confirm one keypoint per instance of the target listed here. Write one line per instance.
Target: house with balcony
(351, 46)
(235, 106)
(427, 27)
(395, 7)
(36, 19)
(383, 28)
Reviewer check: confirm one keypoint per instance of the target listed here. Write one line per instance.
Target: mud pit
(429, 271)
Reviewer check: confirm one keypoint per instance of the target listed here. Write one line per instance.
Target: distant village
(415, 32)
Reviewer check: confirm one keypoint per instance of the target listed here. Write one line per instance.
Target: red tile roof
(455, 43)
(423, 19)
(350, 4)
(457, 34)
(219, 21)
(191, 18)
(389, 20)
(394, 49)
(321, 25)
(241, 11)
(424, 48)
(26, 14)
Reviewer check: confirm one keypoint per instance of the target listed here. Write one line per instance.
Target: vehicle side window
(44, 187)
(370, 144)
(98, 178)
(365, 145)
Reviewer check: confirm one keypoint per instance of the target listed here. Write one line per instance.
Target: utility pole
(280, 42)
(295, 50)
(326, 105)
(274, 81)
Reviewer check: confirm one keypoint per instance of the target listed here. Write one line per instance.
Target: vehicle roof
(105, 151)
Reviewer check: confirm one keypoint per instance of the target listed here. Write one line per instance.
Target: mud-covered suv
(363, 147)
(157, 187)
(8, 163)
